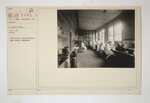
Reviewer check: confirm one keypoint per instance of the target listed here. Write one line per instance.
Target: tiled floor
(89, 59)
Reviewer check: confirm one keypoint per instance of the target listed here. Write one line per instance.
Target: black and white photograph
(96, 38)
(79, 50)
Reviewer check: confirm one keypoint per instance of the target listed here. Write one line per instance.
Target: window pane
(102, 34)
(99, 35)
(118, 32)
(93, 36)
(111, 34)
(96, 36)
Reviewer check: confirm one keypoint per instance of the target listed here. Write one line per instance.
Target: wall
(128, 34)
(86, 35)
(143, 98)
(67, 28)
(128, 23)
(127, 19)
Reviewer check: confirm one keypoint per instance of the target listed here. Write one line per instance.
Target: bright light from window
(118, 32)
(96, 36)
(102, 36)
(111, 33)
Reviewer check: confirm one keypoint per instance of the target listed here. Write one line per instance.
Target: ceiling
(93, 19)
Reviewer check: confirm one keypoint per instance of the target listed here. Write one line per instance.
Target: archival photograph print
(96, 38)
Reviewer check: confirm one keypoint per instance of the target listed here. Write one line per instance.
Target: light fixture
(104, 11)
(59, 27)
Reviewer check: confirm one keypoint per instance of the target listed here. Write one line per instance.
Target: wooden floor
(89, 59)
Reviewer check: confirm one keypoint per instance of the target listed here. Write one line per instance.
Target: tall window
(111, 34)
(91, 37)
(102, 35)
(99, 35)
(96, 36)
(118, 32)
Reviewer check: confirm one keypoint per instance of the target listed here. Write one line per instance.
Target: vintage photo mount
(86, 36)
(48, 79)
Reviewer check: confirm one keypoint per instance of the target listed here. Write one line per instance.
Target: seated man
(110, 59)
(122, 47)
(101, 50)
(118, 46)
(75, 48)
(108, 47)
(82, 48)
(98, 44)
(90, 43)
(94, 45)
